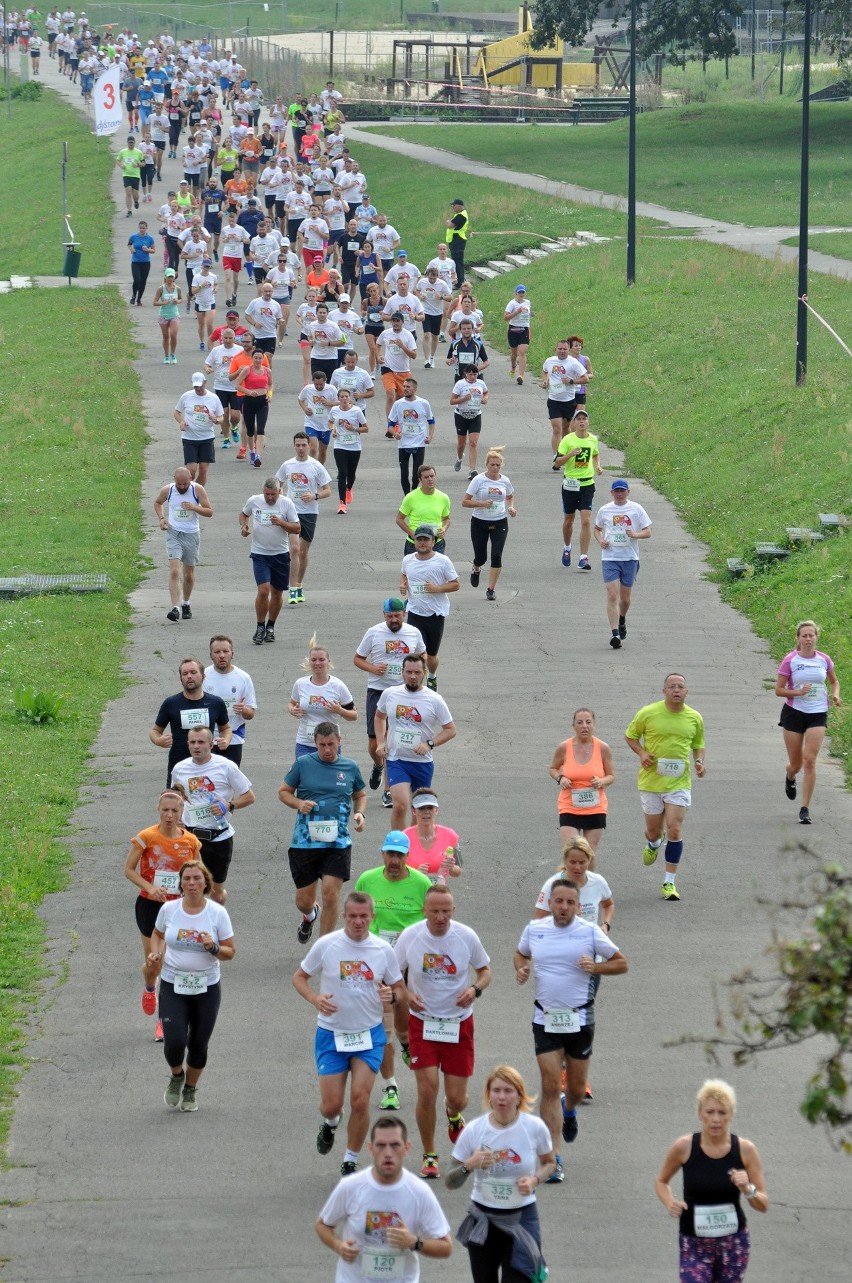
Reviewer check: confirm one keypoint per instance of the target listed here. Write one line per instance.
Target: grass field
(837, 243)
(737, 161)
(69, 503)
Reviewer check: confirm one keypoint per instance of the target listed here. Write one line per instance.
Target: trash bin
(436, 6)
(71, 265)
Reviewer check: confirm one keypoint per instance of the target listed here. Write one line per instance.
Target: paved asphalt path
(106, 1183)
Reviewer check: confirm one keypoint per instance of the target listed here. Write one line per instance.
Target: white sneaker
(427, 365)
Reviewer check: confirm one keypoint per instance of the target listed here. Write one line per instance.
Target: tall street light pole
(631, 156)
(801, 310)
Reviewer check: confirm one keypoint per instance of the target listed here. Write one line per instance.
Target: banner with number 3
(108, 115)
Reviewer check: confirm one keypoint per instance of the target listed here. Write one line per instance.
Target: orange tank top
(581, 775)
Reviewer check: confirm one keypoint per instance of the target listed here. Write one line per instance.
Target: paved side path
(763, 241)
(106, 1183)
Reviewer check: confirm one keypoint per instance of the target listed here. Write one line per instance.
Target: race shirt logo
(439, 964)
(189, 938)
(396, 648)
(200, 784)
(299, 479)
(504, 1157)
(354, 972)
(318, 699)
(495, 490)
(376, 1225)
(620, 519)
(408, 713)
(410, 416)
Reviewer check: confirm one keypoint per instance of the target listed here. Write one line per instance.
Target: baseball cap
(170, 271)
(403, 253)
(581, 409)
(520, 289)
(425, 799)
(318, 258)
(184, 182)
(344, 298)
(233, 312)
(422, 531)
(206, 262)
(458, 202)
(285, 240)
(619, 484)
(396, 841)
(392, 603)
(198, 377)
(397, 316)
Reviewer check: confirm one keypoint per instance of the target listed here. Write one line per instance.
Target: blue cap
(520, 289)
(403, 253)
(619, 484)
(396, 841)
(392, 603)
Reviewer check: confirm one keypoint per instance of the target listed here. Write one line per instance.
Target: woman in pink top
(434, 847)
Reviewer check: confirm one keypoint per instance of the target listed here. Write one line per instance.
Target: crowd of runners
(267, 236)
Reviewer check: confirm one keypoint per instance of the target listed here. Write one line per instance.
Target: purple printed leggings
(714, 1260)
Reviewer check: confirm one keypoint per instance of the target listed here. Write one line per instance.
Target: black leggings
(173, 251)
(139, 272)
(410, 457)
(255, 414)
(347, 465)
(492, 1262)
(188, 1024)
(480, 532)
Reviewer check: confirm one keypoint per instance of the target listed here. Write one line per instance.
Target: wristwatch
(477, 991)
(750, 1191)
(418, 1245)
(430, 743)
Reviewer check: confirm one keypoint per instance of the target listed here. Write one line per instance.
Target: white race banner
(108, 115)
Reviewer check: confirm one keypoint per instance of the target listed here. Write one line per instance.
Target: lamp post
(631, 155)
(801, 310)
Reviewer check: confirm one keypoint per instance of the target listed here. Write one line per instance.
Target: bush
(35, 706)
(26, 91)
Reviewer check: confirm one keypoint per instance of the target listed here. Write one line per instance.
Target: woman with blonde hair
(491, 496)
(803, 680)
(583, 769)
(719, 1169)
(319, 697)
(510, 1153)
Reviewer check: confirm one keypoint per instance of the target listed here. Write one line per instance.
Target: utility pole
(631, 155)
(801, 310)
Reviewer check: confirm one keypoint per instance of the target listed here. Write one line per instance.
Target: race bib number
(375, 318)
(417, 590)
(182, 514)
(411, 429)
(562, 1022)
(504, 1193)
(191, 717)
(203, 817)
(167, 881)
(323, 830)
(213, 208)
(377, 1265)
(716, 1222)
(585, 798)
(671, 767)
(406, 741)
(466, 358)
(346, 439)
(570, 483)
(353, 246)
(394, 670)
(619, 539)
(441, 1030)
(474, 405)
(265, 518)
(362, 1041)
(497, 508)
(390, 936)
(190, 982)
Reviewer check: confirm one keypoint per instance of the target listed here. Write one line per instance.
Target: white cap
(344, 298)
(198, 377)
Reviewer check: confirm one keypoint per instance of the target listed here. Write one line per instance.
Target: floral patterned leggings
(714, 1260)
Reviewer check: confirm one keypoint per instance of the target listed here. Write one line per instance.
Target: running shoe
(490, 594)
(167, 360)
(457, 465)
(390, 1098)
(804, 815)
(259, 634)
(387, 800)
(269, 635)
(225, 443)
(429, 1170)
(615, 642)
(570, 1125)
(348, 1169)
(325, 1138)
(341, 510)
(455, 1125)
(670, 891)
(442, 338)
(375, 777)
(149, 1001)
(566, 557)
(588, 1094)
(432, 682)
(252, 457)
(202, 347)
(557, 1176)
(189, 1100)
(348, 496)
(258, 463)
(185, 612)
(173, 358)
(519, 380)
(241, 454)
(473, 473)
(173, 614)
(174, 1089)
(306, 929)
(789, 786)
(235, 436)
(427, 365)
(584, 564)
(622, 627)
(294, 597)
(649, 855)
(474, 577)
(158, 1031)
(405, 1052)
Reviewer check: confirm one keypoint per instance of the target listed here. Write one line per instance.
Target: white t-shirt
(413, 718)
(368, 1208)
(498, 492)
(335, 213)
(437, 569)
(233, 240)
(383, 239)
(204, 286)
(326, 338)
(301, 477)
(349, 322)
(559, 983)
(351, 971)
(410, 307)
(559, 369)
(263, 316)
(218, 362)
(199, 411)
(445, 267)
(381, 645)
(439, 967)
(316, 416)
(595, 890)
(314, 233)
(798, 669)
(414, 418)
(433, 295)
(469, 409)
(218, 780)
(519, 311)
(344, 425)
(235, 687)
(357, 380)
(613, 519)
(262, 248)
(516, 1151)
(402, 269)
(267, 538)
(396, 351)
(184, 950)
(313, 699)
(283, 282)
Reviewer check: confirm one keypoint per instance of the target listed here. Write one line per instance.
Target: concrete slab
(500, 265)
(518, 260)
(484, 273)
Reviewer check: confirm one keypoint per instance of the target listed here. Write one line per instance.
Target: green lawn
(69, 503)
(837, 243)
(737, 161)
(33, 230)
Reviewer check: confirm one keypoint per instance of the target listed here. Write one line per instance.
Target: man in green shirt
(398, 893)
(424, 506)
(579, 459)
(662, 735)
(129, 160)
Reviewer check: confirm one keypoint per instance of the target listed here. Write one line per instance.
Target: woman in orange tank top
(582, 767)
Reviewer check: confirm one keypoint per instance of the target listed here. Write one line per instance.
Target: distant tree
(805, 993)
(680, 29)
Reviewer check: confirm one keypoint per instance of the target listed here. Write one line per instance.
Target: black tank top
(706, 1182)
